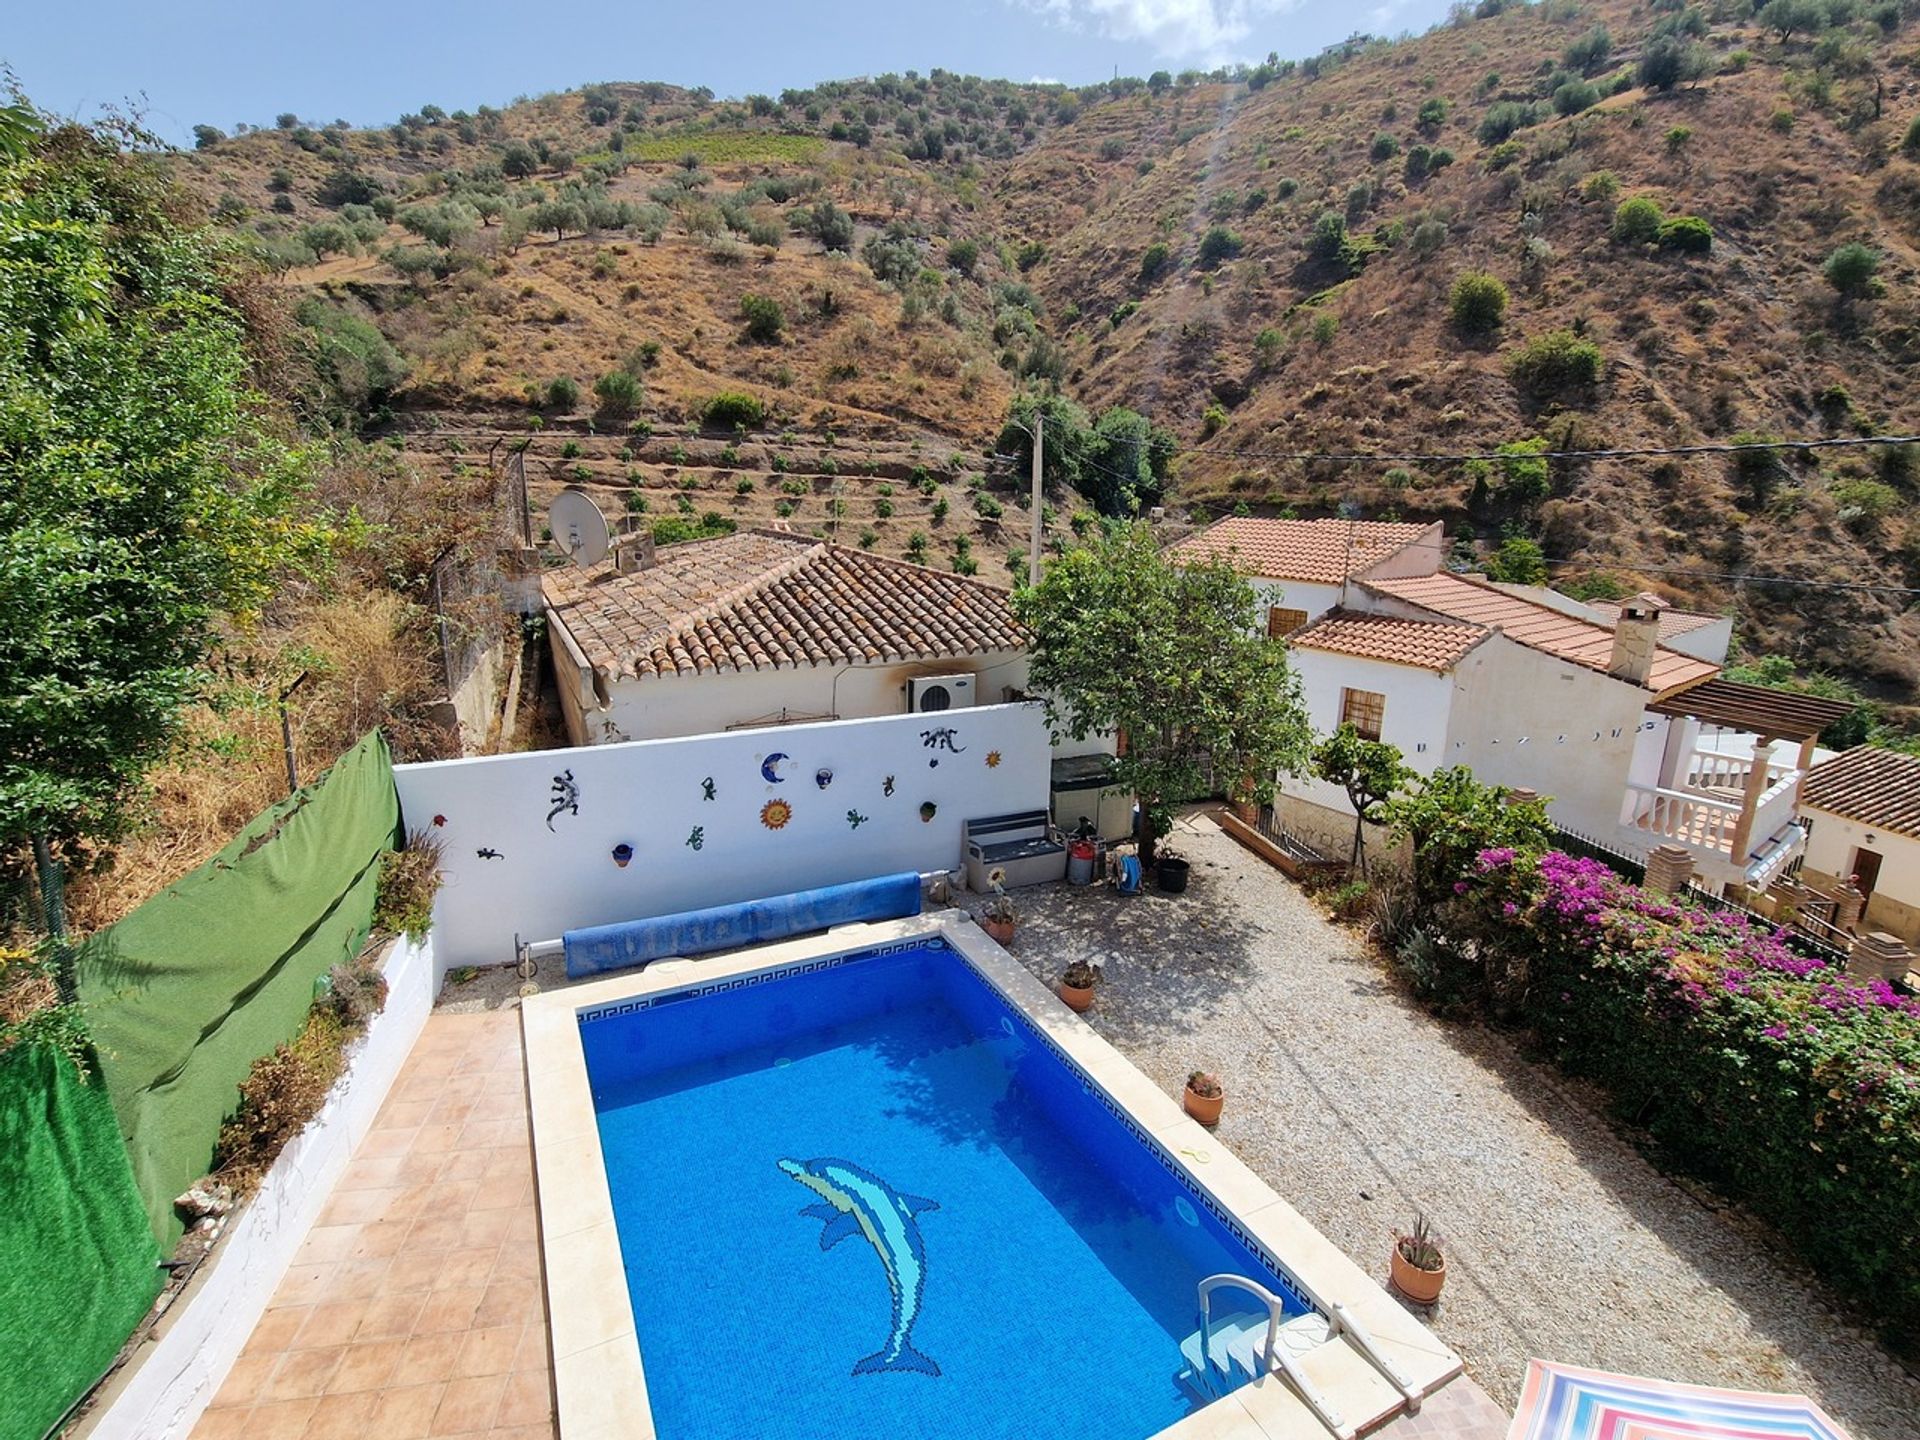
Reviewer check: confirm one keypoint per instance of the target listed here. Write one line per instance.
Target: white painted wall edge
(160, 1393)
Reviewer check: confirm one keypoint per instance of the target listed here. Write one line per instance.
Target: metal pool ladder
(1219, 1350)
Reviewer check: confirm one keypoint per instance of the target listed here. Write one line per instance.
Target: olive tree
(1171, 657)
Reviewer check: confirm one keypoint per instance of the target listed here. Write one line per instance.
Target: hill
(1262, 261)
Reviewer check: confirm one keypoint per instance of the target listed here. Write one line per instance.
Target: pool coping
(600, 1389)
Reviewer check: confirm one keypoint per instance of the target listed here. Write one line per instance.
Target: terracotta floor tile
(503, 1102)
(224, 1424)
(507, 1301)
(276, 1330)
(466, 1164)
(427, 1357)
(330, 1325)
(358, 1280)
(305, 1284)
(366, 1366)
(534, 1352)
(528, 1400)
(401, 1112)
(327, 1245)
(448, 1110)
(380, 1172)
(525, 1227)
(414, 1271)
(465, 1086)
(521, 1432)
(390, 1317)
(397, 1141)
(284, 1420)
(449, 1310)
(436, 1231)
(469, 1405)
(493, 1134)
(246, 1381)
(420, 1169)
(518, 1261)
(341, 1417)
(359, 1207)
(303, 1373)
(485, 1228)
(406, 1414)
(488, 1352)
(516, 1163)
(470, 1265)
(451, 1194)
(381, 1240)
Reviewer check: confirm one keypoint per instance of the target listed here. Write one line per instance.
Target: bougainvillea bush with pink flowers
(1780, 1079)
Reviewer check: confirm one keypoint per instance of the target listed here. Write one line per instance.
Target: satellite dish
(578, 527)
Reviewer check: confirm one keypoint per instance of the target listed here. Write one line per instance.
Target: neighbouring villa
(1618, 714)
(769, 628)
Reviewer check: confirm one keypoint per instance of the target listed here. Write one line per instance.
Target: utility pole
(1038, 501)
(286, 731)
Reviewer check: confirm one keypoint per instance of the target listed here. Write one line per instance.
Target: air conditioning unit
(929, 693)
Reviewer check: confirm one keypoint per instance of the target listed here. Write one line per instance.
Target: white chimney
(1636, 636)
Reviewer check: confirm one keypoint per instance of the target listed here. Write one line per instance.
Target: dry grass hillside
(994, 236)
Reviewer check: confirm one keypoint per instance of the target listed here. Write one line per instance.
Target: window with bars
(1282, 621)
(1364, 710)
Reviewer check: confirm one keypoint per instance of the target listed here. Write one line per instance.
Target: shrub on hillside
(1217, 246)
(1154, 262)
(1555, 364)
(1504, 117)
(1384, 147)
(618, 393)
(1478, 303)
(1590, 51)
(1575, 96)
(1853, 270)
(1672, 60)
(764, 318)
(563, 394)
(1687, 233)
(1637, 221)
(731, 408)
(1432, 115)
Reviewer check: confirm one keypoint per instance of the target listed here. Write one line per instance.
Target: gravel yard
(1361, 1109)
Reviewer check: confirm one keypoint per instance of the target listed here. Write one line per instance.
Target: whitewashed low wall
(163, 1389)
(514, 864)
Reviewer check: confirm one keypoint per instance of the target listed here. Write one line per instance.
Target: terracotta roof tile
(1540, 627)
(1672, 622)
(759, 600)
(1426, 644)
(1320, 551)
(1876, 787)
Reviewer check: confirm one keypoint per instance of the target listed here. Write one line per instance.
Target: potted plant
(1076, 984)
(1417, 1266)
(998, 915)
(1204, 1097)
(1171, 871)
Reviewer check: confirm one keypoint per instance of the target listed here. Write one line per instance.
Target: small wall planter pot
(1204, 1108)
(1001, 931)
(1078, 998)
(1171, 875)
(1420, 1286)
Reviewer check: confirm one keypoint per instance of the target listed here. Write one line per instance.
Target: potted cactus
(1076, 984)
(1204, 1097)
(997, 916)
(1417, 1266)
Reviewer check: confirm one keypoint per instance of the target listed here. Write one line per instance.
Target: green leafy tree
(1672, 60)
(563, 393)
(1217, 246)
(1450, 818)
(1370, 771)
(963, 255)
(1518, 561)
(618, 392)
(145, 488)
(1784, 17)
(765, 319)
(1172, 657)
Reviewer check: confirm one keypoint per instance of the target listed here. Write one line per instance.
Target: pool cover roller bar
(604, 948)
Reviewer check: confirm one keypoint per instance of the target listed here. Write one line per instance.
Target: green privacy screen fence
(81, 1266)
(189, 990)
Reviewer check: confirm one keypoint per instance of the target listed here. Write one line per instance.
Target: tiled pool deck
(415, 1308)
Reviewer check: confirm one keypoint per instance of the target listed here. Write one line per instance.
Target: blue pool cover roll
(602, 948)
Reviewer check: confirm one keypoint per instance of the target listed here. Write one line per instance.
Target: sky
(221, 62)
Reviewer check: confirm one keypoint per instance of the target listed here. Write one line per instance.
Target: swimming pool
(884, 1189)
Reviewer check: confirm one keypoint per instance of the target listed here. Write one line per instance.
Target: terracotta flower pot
(1204, 1108)
(1000, 930)
(1078, 997)
(1420, 1286)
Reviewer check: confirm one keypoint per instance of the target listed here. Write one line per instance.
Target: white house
(767, 628)
(1591, 708)
(1862, 808)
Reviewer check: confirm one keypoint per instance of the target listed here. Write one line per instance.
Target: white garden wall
(512, 867)
(161, 1391)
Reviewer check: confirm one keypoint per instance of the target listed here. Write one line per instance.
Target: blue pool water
(867, 1201)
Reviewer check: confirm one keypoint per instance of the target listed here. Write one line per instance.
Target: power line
(1733, 575)
(1628, 452)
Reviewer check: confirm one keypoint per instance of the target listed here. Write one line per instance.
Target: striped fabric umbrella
(1564, 1402)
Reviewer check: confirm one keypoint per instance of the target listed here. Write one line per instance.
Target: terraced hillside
(1263, 261)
